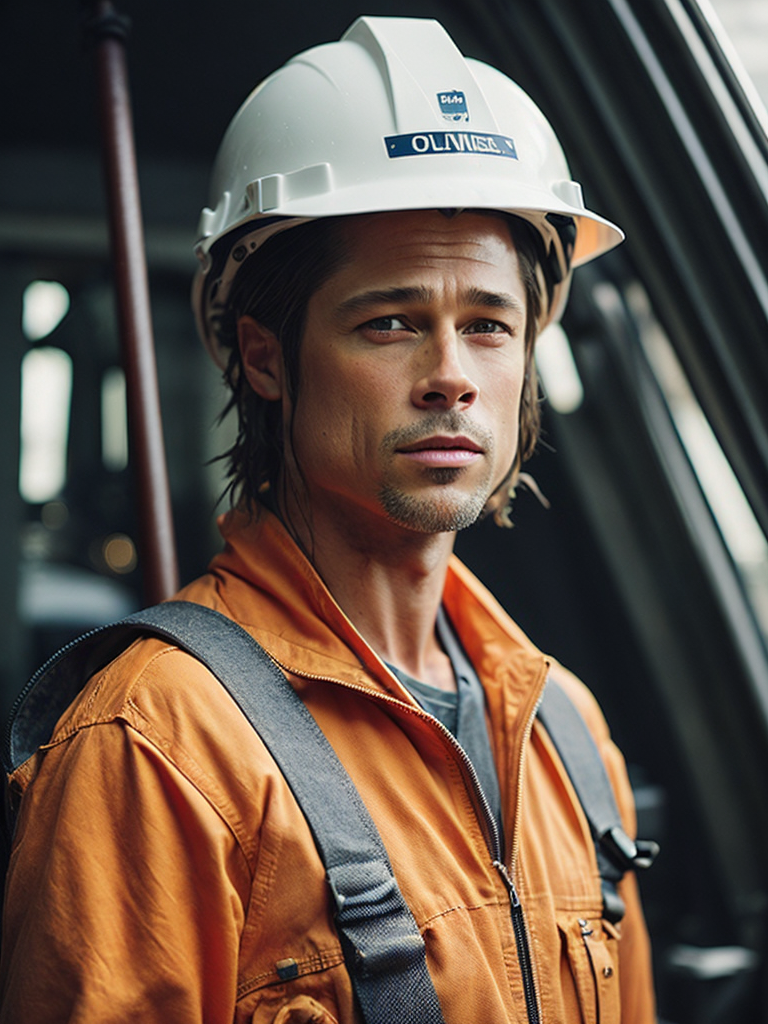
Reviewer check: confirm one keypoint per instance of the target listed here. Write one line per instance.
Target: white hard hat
(391, 117)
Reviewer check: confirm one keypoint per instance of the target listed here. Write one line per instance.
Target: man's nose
(442, 381)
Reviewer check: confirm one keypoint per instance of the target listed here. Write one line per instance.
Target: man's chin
(435, 514)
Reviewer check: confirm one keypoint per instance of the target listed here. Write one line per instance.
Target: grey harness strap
(616, 852)
(383, 949)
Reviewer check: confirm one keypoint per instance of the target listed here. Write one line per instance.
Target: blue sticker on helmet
(453, 105)
(424, 143)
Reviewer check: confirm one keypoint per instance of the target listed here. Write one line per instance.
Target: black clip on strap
(616, 853)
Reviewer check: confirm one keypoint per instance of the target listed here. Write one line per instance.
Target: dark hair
(274, 286)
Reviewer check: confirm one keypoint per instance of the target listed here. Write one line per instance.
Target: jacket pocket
(593, 957)
(303, 996)
(304, 1010)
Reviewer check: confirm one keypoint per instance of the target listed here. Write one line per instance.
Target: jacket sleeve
(126, 892)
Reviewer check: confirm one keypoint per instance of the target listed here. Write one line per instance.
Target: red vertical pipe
(157, 548)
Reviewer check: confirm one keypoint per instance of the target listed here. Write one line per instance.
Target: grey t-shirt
(462, 712)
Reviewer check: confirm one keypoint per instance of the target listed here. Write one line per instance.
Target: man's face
(411, 373)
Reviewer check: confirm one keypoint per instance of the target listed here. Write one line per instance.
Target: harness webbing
(616, 852)
(383, 950)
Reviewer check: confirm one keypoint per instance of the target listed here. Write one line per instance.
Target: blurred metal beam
(157, 540)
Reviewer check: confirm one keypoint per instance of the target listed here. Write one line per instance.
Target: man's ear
(262, 358)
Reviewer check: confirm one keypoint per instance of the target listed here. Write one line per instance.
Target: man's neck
(389, 582)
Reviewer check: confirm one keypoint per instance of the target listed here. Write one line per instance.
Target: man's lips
(443, 450)
(461, 442)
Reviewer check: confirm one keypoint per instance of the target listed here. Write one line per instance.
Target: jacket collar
(305, 630)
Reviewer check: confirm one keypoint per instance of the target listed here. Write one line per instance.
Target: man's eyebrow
(423, 295)
(385, 296)
(493, 300)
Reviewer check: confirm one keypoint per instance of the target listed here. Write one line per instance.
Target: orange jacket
(162, 870)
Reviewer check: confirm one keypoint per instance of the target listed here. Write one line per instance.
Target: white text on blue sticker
(424, 143)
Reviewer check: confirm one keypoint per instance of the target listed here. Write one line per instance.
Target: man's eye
(487, 327)
(386, 324)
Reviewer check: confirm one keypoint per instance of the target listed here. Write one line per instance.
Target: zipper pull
(514, 899)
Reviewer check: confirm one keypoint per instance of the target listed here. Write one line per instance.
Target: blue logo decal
(453, 105)
(426, 143)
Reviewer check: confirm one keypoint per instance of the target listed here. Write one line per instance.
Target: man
(393, 227)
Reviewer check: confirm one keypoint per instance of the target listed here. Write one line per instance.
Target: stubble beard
(431, 515)
(445, 511)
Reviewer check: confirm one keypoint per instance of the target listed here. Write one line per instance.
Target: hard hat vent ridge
(419, 62)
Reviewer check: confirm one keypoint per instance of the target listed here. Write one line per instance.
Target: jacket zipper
(492, 838)
(523, 946)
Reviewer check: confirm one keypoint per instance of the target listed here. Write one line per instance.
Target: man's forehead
(419, 248)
